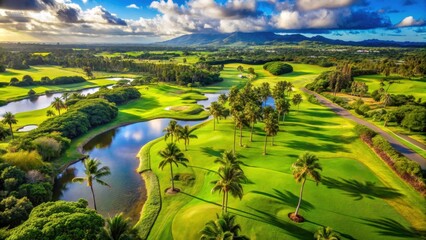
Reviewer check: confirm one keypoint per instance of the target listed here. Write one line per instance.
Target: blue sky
(130, 21)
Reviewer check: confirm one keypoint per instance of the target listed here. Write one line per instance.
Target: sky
(141, 21)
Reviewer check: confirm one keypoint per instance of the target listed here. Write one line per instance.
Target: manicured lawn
(355, 197)
(415, 87)
(37, 72)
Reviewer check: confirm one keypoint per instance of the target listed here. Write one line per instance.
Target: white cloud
(410, 21)
(309, 5)
(84, 1)
(133, 6)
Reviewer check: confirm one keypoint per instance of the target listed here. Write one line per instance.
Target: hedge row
(278, 68)
(407, 169)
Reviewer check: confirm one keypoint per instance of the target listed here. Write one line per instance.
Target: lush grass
(344, 201)
(415, 87)
(37, 72)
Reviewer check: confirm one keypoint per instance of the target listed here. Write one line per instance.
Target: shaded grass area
(357, 185)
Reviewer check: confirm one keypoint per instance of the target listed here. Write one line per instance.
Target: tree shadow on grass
(211, 151)
(291, 228)
(286, 198)
(312, 147)
(324, 137)
(359, 190)
(390, 227)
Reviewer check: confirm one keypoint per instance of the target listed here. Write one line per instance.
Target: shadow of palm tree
(359, 190)
(390, 227)
(211, 151)
(286, 198)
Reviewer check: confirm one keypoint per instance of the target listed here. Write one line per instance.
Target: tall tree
(9, 119)
(172, 130)
(50, 113)
(271, 125)
(65, 96)
(4, 132)
(93, 173)
(230, 179)
(229, 159)
(58, 104)
(297, 100)
(186, 134)
(252, 113)
(172, 155)
(224, 228)
(216, 112)
(307, 165)
(222, 99)
(119, 228)
(265, 92)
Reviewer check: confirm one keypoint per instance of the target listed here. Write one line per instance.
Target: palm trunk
(94, 199)
(272, 142)
(214, 125)
(171, 172)
(300, 197)
(186, 148)
(235, 136)
(266, 141)
(251, 132)
(283, 117)
(278, 117)
(11, 131)
(223, 202)
(226, 201)
(241, 136)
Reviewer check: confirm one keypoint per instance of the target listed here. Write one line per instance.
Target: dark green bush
(118, 95)
(278, 68)
(364, 131)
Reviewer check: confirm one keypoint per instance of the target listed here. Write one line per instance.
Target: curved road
(346, 114)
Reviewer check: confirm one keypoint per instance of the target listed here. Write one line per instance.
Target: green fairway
(360, 197)
(351, 199)
(37, 72)
(415, 87)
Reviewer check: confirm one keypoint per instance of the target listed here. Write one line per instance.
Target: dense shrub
(31, 93)
(66, 80)
(313, 99)
(11, 178)
(278, 68)
(48, 148)
(364, 132)
(99, 111)
(118, 95)
(14, 211)
(70, 124)
(359, 72)
(25, 160)
(2, 68)
(37, 193)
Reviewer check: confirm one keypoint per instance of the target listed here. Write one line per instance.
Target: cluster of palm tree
(248, 106)
(176, 132)
(231, 176)
(172, 155)
(60, 103)
(119, 228)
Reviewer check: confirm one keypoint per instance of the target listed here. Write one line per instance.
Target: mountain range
(262, 38)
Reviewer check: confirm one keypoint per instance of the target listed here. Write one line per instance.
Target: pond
(117, 148)
(38, 102)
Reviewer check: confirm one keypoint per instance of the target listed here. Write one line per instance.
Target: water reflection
(117, 149)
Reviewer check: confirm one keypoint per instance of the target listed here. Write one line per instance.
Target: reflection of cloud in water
(156, 126)
(133, 135)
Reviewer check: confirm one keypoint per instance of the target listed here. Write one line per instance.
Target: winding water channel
(117, 148)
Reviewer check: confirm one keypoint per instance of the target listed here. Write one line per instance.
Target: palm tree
(222, 228)
(222, 99)
(93, 173)
(252, 113)
(4, 132)
(280, 104)
(172, 130)
(185, 133)
(119, 228)
(9, 119)
(216, 112)
(307, 165)
(172, 155)
(230, 181)
(326, 233)
(58, 104)
(65, 96)
(289, 88)
(229, 159)
(265, 92)
(297, 100)
(239, 123)
(50, 113)
(271, 126)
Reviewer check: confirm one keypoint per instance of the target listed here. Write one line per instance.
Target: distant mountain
(261, 38)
